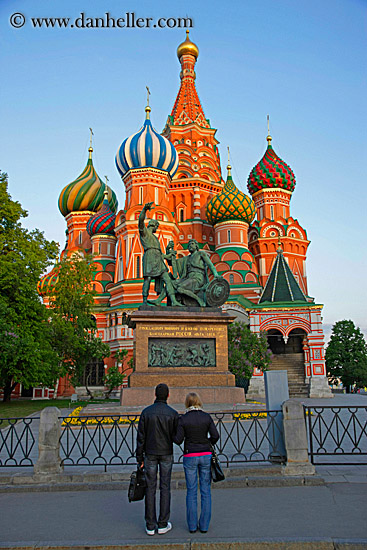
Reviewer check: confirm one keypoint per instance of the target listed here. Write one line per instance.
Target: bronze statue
(153, 259)
(188, 284)
(192, 270)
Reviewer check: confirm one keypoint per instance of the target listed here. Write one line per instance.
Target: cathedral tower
(146, 162)
(79, 200)
(198, 176)
(271, 183)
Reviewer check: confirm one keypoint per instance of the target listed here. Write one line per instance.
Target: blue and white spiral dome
(147, 149)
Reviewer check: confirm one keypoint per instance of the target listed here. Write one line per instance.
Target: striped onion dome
(103, 222)
(271, 172)
(86, 192)
(47, 283)
(147, 149)
(230, 204)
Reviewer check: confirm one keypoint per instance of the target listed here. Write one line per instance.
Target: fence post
(295, 438)
(49, 461)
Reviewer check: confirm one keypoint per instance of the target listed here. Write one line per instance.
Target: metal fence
(244, 437)
(18, 441)
(337, 435)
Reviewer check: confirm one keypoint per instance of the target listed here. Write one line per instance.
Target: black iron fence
(18, 441)
(97, 440)
(337, 435)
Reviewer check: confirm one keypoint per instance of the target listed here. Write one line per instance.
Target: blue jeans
(192, 465)
(151, 463)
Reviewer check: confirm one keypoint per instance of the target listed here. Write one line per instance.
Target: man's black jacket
(157, 427)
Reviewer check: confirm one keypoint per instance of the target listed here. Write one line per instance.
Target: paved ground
(328, 517)
(106, 518)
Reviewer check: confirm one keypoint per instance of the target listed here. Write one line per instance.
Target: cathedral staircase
(293, 363)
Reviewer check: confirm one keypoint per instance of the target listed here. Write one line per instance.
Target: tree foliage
(26, 352)
(246, 350)
(74, 327)
(346, 355)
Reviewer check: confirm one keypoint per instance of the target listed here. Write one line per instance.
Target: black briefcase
(137, 485)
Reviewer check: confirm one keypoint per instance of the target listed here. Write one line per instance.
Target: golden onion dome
(188, 47)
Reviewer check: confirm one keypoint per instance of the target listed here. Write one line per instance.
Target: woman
(194, 427)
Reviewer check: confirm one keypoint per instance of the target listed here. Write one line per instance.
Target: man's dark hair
(161, 392)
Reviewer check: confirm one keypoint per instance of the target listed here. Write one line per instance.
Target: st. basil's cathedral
(252, 240)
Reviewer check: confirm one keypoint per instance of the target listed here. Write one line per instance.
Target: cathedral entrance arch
(295, 340)
(288, 355)
(276, 341)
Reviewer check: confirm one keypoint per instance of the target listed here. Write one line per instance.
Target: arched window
(138, 267)
(181, 215)
(80, 237)
(272, 212)
(156, 195)
(241, 236)
(140, 195)
(229, 236)
(231, 278)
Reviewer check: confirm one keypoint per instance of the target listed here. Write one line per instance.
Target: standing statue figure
(153, 259)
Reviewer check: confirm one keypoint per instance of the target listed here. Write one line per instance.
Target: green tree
(73, 324)
(346, 355)
(114, 376)
(26, 352)
(246, 350)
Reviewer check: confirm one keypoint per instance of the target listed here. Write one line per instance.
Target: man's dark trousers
(151, 463)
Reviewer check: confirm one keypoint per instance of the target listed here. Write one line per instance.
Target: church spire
(187, 107)
(282, 285)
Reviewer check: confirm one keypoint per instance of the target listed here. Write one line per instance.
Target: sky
(303, 63)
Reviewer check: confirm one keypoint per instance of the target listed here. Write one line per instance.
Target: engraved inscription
(183, 352)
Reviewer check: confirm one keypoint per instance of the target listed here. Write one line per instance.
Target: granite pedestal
(187, 349)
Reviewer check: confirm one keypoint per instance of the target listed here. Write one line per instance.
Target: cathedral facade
(253, 240)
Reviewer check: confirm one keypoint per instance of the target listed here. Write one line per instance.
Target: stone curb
(229, 544)
(103, 482)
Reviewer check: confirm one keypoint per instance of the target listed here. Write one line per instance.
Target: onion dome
(271, 172)
(86, 192)
(230, 204)
(102, 223)
(188, 47)
(47, 283)
(147, 149)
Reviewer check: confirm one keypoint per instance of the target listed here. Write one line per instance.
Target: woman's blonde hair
(193, 400)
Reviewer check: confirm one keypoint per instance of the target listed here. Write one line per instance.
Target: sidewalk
(272, 512)
(282, 518)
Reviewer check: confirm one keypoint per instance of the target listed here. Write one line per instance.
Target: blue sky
(301, 62)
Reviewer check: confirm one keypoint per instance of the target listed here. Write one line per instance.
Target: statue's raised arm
(142, 215)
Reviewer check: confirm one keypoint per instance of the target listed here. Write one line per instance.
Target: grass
(22, 408)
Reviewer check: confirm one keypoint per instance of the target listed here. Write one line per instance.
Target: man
(153, 259)
(193, 272)
(157, 427)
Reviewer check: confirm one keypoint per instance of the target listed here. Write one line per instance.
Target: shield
(217, 292)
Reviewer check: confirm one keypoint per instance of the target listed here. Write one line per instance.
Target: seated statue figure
(193, 276)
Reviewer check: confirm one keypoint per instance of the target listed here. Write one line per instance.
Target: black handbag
(137, 485)
(216, 468)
